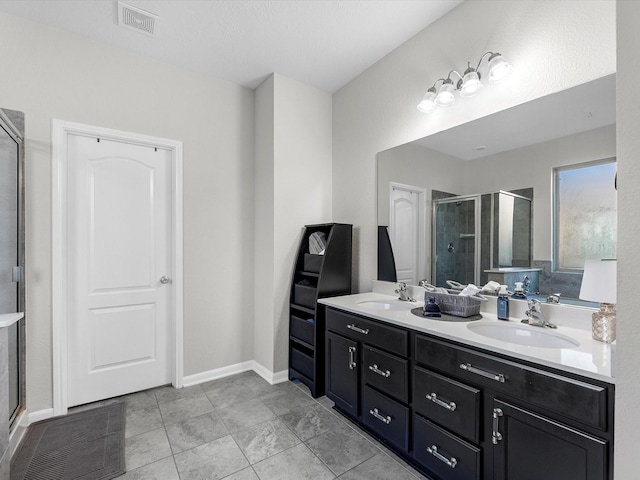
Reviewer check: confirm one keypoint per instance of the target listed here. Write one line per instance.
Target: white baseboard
(268, 375)
(39, 415)
(222, 372)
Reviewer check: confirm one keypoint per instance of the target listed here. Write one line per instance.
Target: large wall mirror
(478, 202)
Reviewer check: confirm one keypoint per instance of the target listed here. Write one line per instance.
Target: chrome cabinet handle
(374, 368)
(451, 406)
(498, 377)
(164, 280)
(496, 436)
(352, 358)
(358, 329)
(451, 462)
(377, 415)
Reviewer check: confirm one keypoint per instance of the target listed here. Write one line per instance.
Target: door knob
(164, 280)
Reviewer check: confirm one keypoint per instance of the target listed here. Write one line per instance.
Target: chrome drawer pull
(352, 359)
(451, 462)
(496, 436)
(451, 406)
(374, 368)
(376, 414)
(498, 377)
(358, 329)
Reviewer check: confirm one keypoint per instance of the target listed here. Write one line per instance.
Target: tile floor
(242, 428)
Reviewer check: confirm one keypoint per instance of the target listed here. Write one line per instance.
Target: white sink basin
(523, 335)
(382, 305)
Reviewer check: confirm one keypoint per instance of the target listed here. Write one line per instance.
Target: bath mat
(87, 445)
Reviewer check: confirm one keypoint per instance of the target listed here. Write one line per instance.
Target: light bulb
(470, 83)
(499, 68)
(445, 94)
(428, 104)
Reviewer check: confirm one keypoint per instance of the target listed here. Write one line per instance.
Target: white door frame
(60, 129)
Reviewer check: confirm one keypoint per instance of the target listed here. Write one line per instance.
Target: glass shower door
(11, 252)
(455, 240)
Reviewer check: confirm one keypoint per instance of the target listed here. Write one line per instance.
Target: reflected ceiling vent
(136, 19)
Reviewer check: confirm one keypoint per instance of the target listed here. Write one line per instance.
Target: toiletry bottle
(518, 292)
(503, 303)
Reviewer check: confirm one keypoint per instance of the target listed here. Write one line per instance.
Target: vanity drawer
(386, 337)
(386, 417)
(443, 453)
(546, 391)
(386, 372)
(451, 404)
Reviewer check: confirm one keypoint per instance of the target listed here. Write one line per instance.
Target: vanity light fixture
(468, 85)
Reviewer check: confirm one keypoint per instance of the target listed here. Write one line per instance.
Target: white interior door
(119, 268)
(406, 231)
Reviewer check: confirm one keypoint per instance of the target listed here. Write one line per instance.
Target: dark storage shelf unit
(314, 277)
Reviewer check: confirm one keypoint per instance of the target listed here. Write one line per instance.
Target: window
(585, 207)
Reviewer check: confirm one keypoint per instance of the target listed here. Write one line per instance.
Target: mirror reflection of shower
(475, 233)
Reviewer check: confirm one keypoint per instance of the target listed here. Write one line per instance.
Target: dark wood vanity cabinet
(461, 413)
(314, 277)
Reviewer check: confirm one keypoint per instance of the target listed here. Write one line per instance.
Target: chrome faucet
(535, 317)
(403, 293)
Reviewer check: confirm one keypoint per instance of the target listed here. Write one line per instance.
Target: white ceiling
(323, 43)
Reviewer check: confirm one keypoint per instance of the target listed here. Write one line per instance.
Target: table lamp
(599, 285)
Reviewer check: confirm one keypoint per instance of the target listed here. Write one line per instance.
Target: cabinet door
(342, 359)
(530, 447)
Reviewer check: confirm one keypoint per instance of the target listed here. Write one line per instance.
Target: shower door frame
(18, 137)
(477, 233)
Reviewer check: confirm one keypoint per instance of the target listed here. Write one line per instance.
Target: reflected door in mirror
(407, 231)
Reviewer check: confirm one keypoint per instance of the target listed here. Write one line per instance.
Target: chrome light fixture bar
(468, 84)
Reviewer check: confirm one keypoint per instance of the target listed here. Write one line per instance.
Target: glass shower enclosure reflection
(456, 223)
(475, 233)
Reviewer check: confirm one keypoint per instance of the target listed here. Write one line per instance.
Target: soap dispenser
(503, 303)
(518, 292)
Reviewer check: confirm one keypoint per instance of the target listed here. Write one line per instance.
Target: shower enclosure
(12, 256)
(474, 233)
(456, 223)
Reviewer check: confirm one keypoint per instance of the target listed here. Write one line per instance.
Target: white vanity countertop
(8, 319)
(590, 359)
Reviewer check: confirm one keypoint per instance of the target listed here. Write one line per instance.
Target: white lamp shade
(499, 68)
(599, 281)
(428, 103)
(445, 95)
(470, 84)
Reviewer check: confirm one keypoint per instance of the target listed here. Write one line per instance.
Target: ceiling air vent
(136, 19)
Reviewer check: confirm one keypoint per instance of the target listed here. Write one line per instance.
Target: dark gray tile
(286, 399)
(195, 431)
(246, 474)
(142, 420)
(164, 469)
(309, 422)
(264, 440)
(342, 449)
(138, 400)
(380, 467)
(170, 393)
(146, 448)
(238, 388)
(326, 402)
(246, 414)
(213, 460)
(297, 463)
(185, 408)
